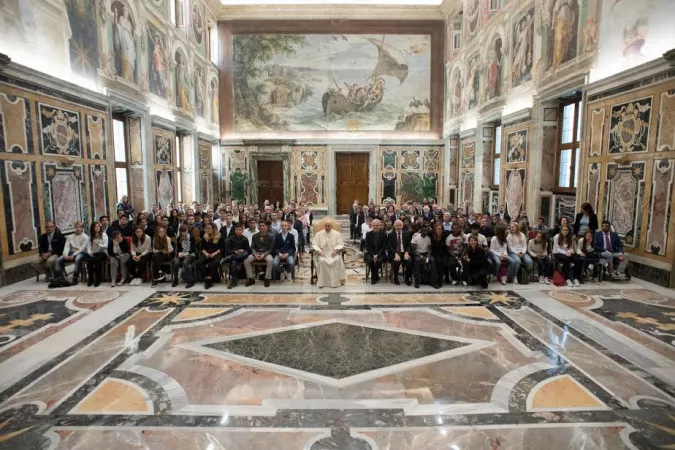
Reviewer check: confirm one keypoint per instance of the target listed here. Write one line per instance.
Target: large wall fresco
(61, 176)
(630, 167)
(344, 82)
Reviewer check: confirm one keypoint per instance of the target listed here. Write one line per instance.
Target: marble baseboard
(648, 273)
(16, 274)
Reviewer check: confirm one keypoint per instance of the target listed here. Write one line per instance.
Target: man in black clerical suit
(400, 252)
(376, 249)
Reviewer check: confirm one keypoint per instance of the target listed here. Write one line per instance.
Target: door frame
(332, 174)
(285, 157)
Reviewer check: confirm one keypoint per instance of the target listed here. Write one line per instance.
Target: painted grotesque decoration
(494, 68)
(124, 44)
(523, 52)
(183, 82)
(563, 26)
(158, 67)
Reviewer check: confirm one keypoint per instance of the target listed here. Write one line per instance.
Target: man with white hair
(330, 268)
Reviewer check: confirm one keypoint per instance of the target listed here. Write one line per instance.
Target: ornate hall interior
(520, 112)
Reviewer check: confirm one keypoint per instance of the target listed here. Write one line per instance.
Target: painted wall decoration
(453, 148)
(548, 169)
(516, 146)
(495, 54)
(660, 206)
(472, 10)
(523, 48)
(515, 191)
(593, 185)
(633, 32)
(200, 91)
(629, 126)
(565, 206)
(96, 137)
(563, 32)
(84, 39)
(456, 93)
(468, 154)
(205, 188)
(124, 41)
(16, 131)
(197, 23)
(309, 169)
(473, 81)
(183, 81)
(666, 137)
(466, 187)
(20, 197)
(213, 95)
(409, 173)
(137, 187)
(623, 199)
(342, 82)
(98, 184)
(236, 180)
(163, 146)
(135, 147)
(164, 185)
(158, 62)
(597, 131)
(64, 195)
(60, 131)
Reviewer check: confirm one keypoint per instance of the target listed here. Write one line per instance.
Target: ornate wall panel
(623, 199)
(204, 155)
(137, 187)
(60, 131)
(515, 190)
(98, 184)
(164, 184)
(64, 195)
(629, 126)
(565, 206)
(466, 188)
(96, 137)
(454, 161)
(19, 194)
(409, 173)
(517, 146)
(163, 146)
(16, 130)
(468, 156)
(593, 184)
(660, 206)
(205, 188)
(548, 169)
(135, 139)
(666, 135)
(235, 174)
(309, 175)
(597, 131)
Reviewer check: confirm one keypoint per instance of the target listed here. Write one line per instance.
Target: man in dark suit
(400, 252)
(608, 244)
(51, 247)
(503, 215)
(123, 225)
(284, 249)
(376, 250)
(360, 220)
(353, 213)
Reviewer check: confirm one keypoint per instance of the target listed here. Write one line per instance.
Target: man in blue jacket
(609, 245)
(284, 247)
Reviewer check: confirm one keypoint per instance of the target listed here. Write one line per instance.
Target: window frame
(496, 156)
(212, 32)
(574, 145)
(494, 10)
(121, 164)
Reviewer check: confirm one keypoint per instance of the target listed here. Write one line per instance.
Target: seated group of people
(441, 245)
(188, 240)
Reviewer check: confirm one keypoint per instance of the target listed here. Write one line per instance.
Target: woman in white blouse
(500, 255)
(97, 250)
(517, 246)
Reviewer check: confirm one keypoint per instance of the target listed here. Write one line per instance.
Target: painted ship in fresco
(391, 62)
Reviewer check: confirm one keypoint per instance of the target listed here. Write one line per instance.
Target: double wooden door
(352, 180)
(270, 181)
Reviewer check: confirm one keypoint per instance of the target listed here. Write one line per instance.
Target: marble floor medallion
(462, 369)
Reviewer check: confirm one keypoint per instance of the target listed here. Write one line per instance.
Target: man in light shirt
(421, 246)
(74, 251)
(225, 222)
(276, 223)
(251, 230)
(475, 231)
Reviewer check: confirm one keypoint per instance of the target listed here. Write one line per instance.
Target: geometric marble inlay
(337, 352)
(115, 396)
(562, 392)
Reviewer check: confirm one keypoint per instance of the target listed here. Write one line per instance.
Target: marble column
(451, 168)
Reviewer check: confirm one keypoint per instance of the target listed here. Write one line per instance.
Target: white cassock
(330, 270)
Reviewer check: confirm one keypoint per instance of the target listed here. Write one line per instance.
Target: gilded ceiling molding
(297, 12)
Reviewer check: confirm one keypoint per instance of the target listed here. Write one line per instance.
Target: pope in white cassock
(329, 265)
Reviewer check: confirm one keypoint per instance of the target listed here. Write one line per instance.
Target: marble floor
(360, 367)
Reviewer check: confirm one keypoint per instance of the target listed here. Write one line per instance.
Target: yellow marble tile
(563, 392)
(198, 313)
(479, 312)
(114, 396)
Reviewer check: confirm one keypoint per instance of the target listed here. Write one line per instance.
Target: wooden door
(352, 180)
(270, 181)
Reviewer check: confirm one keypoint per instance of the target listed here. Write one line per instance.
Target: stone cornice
(315, 12)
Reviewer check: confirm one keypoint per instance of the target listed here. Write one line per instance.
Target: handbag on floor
(558, 278)
(523, 276)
